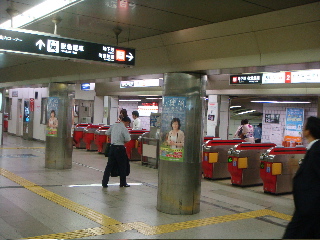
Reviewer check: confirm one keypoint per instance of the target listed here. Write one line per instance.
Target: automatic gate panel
(243, 162)
(213, 157)
(276, 168)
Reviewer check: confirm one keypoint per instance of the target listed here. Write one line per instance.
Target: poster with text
(294, 124)
(52, 113)
(173, 123)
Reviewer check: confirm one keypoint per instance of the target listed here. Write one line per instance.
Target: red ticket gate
(88, 137)
(278, 167)
(78, 135)
(100, 138)
(133, 145)
(215, 158)
(244, 163)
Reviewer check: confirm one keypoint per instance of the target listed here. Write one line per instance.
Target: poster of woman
(173, 128)
(52, 124)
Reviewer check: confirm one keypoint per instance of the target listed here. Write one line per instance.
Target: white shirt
(311, 143)
(119, 134)
(136, 124)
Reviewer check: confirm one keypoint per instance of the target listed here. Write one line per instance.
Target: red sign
(288, 77)
(31, 104)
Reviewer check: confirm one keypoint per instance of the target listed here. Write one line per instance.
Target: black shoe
(104, 186)
(126, 185)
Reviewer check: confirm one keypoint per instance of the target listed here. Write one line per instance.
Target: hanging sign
(173, 123)
(34, 43)
(246, 79)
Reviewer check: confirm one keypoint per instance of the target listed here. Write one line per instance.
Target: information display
(246, 79)
(50, 45)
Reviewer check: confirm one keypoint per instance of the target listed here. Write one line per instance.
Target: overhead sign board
(140, 83)
(51, 45)
(246, 79)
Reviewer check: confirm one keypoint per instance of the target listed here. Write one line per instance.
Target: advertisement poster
(294, 124)
(52, 113)
(173, 123)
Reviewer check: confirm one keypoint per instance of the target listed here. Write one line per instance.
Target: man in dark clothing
(305, 222)
(117, 155)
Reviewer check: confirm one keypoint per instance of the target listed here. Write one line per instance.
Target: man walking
(117, 154)
(305, 222)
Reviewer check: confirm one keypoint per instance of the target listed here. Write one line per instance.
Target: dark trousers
(303, 227)
(257, 141)
(117, 155)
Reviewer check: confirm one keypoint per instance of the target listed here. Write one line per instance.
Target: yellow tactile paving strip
(110, 226)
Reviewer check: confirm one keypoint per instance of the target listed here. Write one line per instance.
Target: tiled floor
(36, 202)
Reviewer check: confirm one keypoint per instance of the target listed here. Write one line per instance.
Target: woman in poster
(53, 121)
(175, 138)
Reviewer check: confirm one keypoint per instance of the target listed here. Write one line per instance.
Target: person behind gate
(117, 155)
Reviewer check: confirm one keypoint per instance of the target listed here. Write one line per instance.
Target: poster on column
(294, 125)
(173, 123)
(52, 124)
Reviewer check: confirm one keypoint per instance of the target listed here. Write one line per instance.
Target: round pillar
(59, 144)
(179, 184)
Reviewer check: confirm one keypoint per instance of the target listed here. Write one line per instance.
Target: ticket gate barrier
(133, 145)
(278, 167)
(150, 150)
(88, 137)
(100, 138)
(215, 158)
(244, 163)
(78, 135)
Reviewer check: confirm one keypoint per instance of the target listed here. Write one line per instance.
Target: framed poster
(173, 123)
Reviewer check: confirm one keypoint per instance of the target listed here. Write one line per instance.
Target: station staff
(305, 222)
(136, 124)
(117, 154)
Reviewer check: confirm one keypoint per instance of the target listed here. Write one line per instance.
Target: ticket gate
(78, 135)
(133, 145)
(215, 158)
(100, 138)
(88, 137)
(278, 167)
(244, 163)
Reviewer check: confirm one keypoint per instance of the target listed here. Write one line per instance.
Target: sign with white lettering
(34, 43)
(246, 79)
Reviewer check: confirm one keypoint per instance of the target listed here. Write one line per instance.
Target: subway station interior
(209, 63)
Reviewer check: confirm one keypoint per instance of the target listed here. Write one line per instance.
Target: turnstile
(150, 150)
(78, 135)
(133, 144)
(100, 138)
(244, 163)
(215, 158)
(278, 167)
(88, 137)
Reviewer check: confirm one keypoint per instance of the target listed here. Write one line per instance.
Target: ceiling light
(279, 102)
(154, 98)
(235, 107)
(39, 11)
(129, 100)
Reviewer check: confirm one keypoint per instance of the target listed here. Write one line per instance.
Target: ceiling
(96, 21)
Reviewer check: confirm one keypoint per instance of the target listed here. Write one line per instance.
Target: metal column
(179, 183)
(58, 154)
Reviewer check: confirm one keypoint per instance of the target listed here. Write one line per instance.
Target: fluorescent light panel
(279, 102)
(235, 107)
(43, 9)
(129, 100)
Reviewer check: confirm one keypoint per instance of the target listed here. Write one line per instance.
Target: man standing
(136, 125)
(305, 222)
(117, 155)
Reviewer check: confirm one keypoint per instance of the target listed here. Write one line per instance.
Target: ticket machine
(278, 167)
(215, 158)
(244, 163)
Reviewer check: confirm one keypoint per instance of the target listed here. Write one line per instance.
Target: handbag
(107, 151)
(241, 135)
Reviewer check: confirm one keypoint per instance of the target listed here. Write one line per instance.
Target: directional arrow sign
(34, 43)
(130, 56)
(40, 44)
